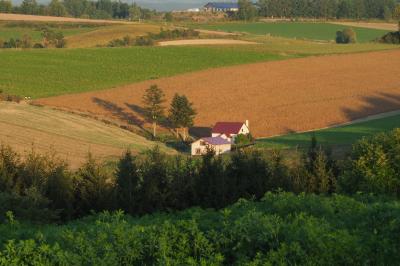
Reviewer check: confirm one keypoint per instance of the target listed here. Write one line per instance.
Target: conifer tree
(154, 110)
(127, 183)
(181, 114)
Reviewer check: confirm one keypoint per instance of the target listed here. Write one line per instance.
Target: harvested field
(104, 35)
(204, 42)
(370, 25)
(23, 126)
(20, 17)
(214, 32)
(277, 97)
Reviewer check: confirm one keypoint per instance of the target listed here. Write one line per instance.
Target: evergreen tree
(212, 182)
(29, 7)
(127, 183)
(247, 10)
(9, 164)
(56, 8)
(92, 185)
(154, 110)
(181, 114)
(6, 6)
(154, 189)
(59, 190)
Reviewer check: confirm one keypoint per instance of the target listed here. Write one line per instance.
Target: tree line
(42, 187)
(101, 9)
(322, 9)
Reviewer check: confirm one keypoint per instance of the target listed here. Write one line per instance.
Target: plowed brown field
(277, 97)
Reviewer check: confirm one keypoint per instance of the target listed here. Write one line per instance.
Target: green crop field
(344, 135)
(42, 73)
(50, 72)
(302, 30)
(7, 32)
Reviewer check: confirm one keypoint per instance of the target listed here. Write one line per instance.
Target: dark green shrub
(391, 38)
(38, 46)
(346, 36)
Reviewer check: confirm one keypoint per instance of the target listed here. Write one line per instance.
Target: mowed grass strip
(343, 135)
(71, 136)
(302, 30)
(44, 73)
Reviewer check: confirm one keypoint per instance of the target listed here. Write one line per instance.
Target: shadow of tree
(200, 132)
(381, 103)
(141, 111)
(119, 112)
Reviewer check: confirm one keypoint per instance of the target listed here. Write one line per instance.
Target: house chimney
(247, 124)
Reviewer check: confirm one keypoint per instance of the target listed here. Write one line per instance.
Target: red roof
(227, 128)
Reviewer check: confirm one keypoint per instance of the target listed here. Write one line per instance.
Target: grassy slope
(53, 72)
(103, 35)
(71, 136)
(17, 32)
(344, 135)
(312, 31)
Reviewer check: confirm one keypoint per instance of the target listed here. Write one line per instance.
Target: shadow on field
(200, 132)
(383, 102)
(141, 111)
(119, 112)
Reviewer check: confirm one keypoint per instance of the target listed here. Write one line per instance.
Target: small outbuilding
(218, 144)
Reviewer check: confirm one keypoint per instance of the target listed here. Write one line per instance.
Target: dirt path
(370, 25)
(214, 32)
(19, 17)
(277, 97)
(203, 42)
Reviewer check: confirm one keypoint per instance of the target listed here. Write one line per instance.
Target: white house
(230, 130)
(218, 144)
(221, 7)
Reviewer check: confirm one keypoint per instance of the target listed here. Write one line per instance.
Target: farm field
(101, 36)
(51, 72)
(24, 127)
(36, 18)
(336, 136)
(320, 92)
(77, 35)
(14, 30)
(301, 30)
(370, 25)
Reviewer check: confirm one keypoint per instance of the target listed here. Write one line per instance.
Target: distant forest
(101, 9)
(107, 9)
(356, 9)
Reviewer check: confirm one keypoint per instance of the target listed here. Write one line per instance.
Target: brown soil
(277, 97)
(370, 25)
(203, 42)
(218, 33)
(19, 17)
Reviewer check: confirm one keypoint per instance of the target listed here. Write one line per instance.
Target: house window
(202, 143)
(198, 151)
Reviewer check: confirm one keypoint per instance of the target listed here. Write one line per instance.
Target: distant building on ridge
(221, 7)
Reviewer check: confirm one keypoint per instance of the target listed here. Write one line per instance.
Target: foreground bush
(282, 229)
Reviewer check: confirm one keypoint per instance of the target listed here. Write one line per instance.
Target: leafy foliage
(346, 36)
(280, 229)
